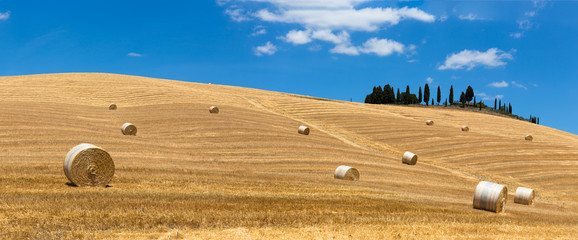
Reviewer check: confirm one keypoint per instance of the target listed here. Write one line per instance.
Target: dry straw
(524, 196)
(465, 129)
(409, 158)
(303, 130)
(214, 109)
(346, 173)
(490, 197)
(88, 165)
(112, 107)
(128, 129)
(529, 137)
(429, 122)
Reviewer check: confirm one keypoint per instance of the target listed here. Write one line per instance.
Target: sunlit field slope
(245, 173)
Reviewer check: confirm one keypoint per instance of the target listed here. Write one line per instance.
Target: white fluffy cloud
(268, 49)
(366, 19)
(331, 21)
(297, 37)
(501, 84)
(381, 47)
(469, 59)
(4, 15)
(429, 80)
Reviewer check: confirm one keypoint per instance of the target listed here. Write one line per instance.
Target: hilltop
(245, 172)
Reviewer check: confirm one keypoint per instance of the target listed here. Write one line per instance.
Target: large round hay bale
(128, 129)
(524, 196)
(429, 122)
(529, 137)
(490, 197)
(346, 173)
(88, 165)
(112, 107)
(465, 129)
(409, 158)
(214, 109)
(303, 130)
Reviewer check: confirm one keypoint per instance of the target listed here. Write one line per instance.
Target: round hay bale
(214, 109)
(88, 165)
(128, 129)
(346, 173)
(112, 107)
(529, 137)
(524, 196)
(429, 122)
(303, 130)
(409, 158)
(465, 129)
(490, 197)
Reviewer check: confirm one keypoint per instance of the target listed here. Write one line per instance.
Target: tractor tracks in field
(351, 139)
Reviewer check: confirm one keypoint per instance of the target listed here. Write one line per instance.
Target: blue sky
(524, 52)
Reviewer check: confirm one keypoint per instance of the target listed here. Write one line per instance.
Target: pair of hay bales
(348, 173)
(493, 197)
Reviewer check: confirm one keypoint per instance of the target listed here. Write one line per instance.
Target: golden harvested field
(246, 173)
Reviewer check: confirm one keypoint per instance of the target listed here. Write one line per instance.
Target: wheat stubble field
(245, 173)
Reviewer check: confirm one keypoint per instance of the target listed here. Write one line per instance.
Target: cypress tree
(500, 104)
(398, 99)
(439, 95)
(510, 108)
(474, 102)
(469, 94)
(407, 98)
(419, 96)
(432, 102)
(495, 103)
(451, 94)
(426, 94)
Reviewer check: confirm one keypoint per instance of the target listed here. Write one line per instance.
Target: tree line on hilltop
(387, 95)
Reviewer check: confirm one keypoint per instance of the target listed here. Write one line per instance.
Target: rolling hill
(245, 173)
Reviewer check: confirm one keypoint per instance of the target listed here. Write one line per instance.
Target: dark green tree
(419, 96)
(463, 99)
(398, 99)
(469, 94)
(510, 108)
(451, 94)
(426, 94)
(495, 103)
(474, 102)
(439, 99)
(432, 102)
(407, 98)
(500, 104)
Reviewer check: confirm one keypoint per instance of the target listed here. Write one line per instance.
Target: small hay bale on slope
(112, 107)
(490, 197)
(213, 109)
(303, 130)
(524, 196)
(88, 165)
(465, 129)
(128, 129)
(429, 122)
(346, 173)
(529, 137)
(409, 158)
